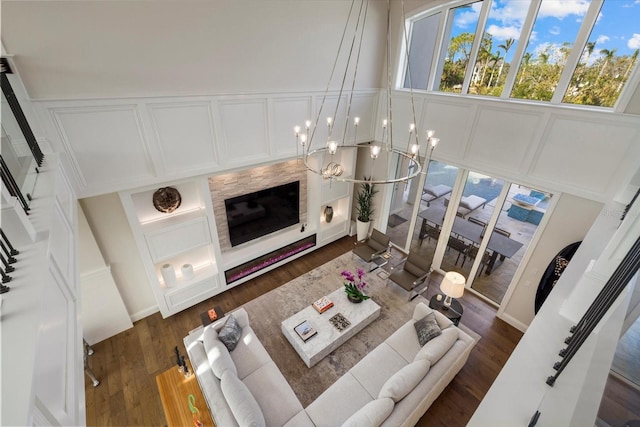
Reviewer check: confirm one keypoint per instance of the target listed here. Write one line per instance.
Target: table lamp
(452, 286)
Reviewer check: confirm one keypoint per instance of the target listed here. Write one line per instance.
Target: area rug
(395, 220)
(269, 310)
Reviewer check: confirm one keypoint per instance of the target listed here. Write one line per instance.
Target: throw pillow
(371, 415)
(439, 346)
(230, 333)
(427, 328)
(244, 406)
(406, 379)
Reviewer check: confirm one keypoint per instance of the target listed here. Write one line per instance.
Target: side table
(453, 313)
(174, 391)
(204, 316)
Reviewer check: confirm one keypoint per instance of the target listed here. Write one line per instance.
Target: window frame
(578, 46)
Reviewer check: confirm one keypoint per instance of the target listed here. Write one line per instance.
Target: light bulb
(384, 123)
(307, 124)
(434, 142)
(375, 151)
(329, 120)
(296, 129)
(414, 149)
(333, 147)
(303, 139)
(412, 127)
(356, 121)
(430, 133)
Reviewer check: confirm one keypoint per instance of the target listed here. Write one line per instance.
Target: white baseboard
(513, 322)
(144, 313)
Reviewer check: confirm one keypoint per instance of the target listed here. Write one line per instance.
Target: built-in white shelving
(184, 236)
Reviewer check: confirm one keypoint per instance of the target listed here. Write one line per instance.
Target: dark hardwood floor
(128, 363)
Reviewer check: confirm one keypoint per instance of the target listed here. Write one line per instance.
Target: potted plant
(364, 207)
(354, 285)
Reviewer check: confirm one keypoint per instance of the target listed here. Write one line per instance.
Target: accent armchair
(413, 273)
(373, 247)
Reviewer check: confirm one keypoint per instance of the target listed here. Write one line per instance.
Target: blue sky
(558, 21)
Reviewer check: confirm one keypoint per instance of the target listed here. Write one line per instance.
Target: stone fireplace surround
(222, 187)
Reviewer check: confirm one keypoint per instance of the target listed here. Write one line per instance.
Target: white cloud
(510, 12)
(503, 33)
(554, 50)
(634, 42)
(602, 39)
(564, 8)
(555, 30)
(469, 16)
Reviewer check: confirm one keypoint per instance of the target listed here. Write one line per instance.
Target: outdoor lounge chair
(469, 204)
(413, 273)
(433, 192)
(372, 248)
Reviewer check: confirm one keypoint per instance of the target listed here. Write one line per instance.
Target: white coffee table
(328, 337)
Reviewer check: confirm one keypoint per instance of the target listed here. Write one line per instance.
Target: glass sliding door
(518, 220)
(437, 188)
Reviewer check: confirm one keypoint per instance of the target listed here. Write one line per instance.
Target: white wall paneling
(451, 122)
(106, 144)
(167, 242)
(56, 382)
(185, 135)
(288, 112)
(62, 244)
(587, 155)
(327, 108)
(243, 127)
(512, 139)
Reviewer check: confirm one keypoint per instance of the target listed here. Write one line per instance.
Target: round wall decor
(166, 199)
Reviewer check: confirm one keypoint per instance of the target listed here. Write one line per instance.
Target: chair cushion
(439, 346)
(372, 414)
(413, 269)
(405, 380)
(230, 332)
(242, 403)
(427, 328)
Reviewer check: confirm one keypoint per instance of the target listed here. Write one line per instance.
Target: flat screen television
(256, 214)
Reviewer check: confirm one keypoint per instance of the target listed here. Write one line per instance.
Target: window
(608, 57)
(570, 51)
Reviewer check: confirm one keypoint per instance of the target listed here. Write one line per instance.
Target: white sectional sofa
(393, 385)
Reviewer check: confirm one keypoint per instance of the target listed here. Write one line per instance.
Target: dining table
(499, 244)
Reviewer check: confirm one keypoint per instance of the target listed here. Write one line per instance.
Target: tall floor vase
(362, 229)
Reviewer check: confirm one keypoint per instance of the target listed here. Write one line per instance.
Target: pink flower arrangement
(354, 286)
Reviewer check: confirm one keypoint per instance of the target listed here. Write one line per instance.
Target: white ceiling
(93, 49)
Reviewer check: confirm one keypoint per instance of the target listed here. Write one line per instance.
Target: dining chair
(472, 253)
(458, 245)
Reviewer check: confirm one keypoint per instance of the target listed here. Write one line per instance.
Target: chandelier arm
(333, 69)
(355, 72)
(326, 172)
(346, 68)
(389, 142)
(406, 51)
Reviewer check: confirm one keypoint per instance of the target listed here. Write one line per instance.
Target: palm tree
(589, 48)
(608, 56)
(505, 46)
(526, 59)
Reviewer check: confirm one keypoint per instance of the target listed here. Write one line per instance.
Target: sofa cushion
(210, 385)
(242, 403)
(331, 408)
(377, 367)
(273, 394)
(437, 347)
(249, 355)
(217, 354)
(372, 414)
(230, 332)
(301, 419)
(404, 342)
(405, 380)
(421, 310)
(427, 328)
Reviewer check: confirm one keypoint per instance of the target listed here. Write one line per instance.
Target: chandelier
(389, 163)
